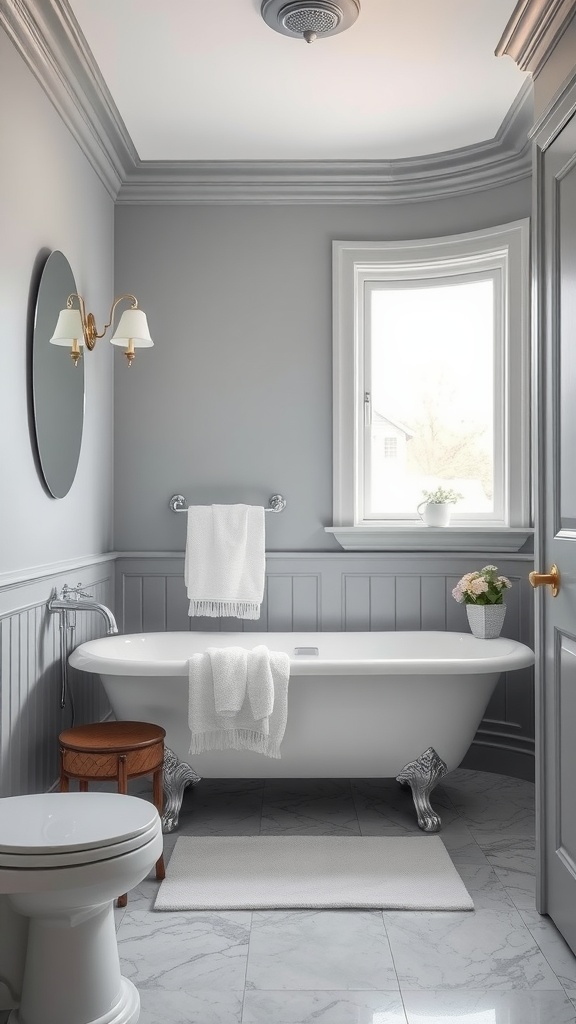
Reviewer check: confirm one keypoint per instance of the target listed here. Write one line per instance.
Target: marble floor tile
(205, 950)
(328, 949)
(309, 807)
(514, 862)
(220, 786)
(555, 949)
(461, 845)
(384, 808)
(502, 964)
(159, 1006)
(323, 1008)
(488, 1008)
(486, 949)
(118, 915)
(143, 895)
(306, 789)
(323, 815)
(493, 803)
(484, 886)
(229, 813)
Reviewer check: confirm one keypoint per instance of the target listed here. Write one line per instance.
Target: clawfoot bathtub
(360, 705)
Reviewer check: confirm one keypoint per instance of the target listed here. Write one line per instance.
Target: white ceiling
(209, 80)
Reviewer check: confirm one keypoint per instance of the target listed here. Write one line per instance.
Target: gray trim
(10, 580)
(54, 48)
(534, 30)
(498, 161)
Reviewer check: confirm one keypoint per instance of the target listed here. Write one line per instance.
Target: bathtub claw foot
(422, 775)
(177, 775)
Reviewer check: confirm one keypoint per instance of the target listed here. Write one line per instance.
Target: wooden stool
(114, 750)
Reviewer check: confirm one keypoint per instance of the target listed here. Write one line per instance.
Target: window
(390, 447)
(431, 381)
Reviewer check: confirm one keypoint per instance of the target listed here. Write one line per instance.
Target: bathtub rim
(500, 655)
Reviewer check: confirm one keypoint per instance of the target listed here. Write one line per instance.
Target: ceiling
(211, 81)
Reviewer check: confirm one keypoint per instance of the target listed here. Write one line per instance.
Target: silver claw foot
(422, 775)
(177, 775)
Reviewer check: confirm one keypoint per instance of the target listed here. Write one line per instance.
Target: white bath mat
(270, 872)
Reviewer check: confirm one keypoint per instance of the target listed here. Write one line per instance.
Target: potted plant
(437, 506)
(483, 594)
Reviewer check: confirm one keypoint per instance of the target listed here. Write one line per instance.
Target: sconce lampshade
(68, 328)
(132, 326)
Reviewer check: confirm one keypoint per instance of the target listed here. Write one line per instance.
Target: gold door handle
(547, 579)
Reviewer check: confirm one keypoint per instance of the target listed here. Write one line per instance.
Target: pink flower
(478, 586)
(504, 581)
(457, 594)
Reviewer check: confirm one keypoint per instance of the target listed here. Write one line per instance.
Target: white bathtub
(366, 705)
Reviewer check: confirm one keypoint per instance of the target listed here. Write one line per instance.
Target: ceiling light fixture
(310, 19)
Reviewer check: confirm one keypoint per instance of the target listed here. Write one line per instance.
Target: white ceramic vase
(486, 620)
(436, 513)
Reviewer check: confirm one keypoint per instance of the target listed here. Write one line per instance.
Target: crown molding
(534, 30)
(49, 39)
(502, 160)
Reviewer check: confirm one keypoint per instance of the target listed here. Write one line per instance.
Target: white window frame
(501, 252)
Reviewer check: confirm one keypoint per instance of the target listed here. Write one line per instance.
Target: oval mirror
(57, 384)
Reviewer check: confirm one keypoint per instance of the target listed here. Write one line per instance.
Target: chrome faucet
(73, 599)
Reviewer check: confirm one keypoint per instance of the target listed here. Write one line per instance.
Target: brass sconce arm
(76, 327)
(91, 334)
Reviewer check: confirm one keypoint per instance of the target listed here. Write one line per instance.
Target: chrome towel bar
(275, 504)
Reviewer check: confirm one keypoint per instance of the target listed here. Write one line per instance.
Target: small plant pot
(486, 620)
(435, 513)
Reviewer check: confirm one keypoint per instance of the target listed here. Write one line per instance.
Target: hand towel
(240, 731)
(225, 561)
(229, 676)
(260, 682)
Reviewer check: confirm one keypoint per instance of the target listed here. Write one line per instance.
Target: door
(555, 460)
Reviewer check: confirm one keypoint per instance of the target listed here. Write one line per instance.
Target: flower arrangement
(442, 496)
(482, 587)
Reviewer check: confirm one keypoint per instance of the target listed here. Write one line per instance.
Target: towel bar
(275, 504)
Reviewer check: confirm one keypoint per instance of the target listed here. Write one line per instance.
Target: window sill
(419, 537)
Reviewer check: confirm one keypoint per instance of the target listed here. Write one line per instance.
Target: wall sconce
(75, 327)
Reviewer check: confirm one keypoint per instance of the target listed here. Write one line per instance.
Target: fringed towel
(225, 561)
(255, 682)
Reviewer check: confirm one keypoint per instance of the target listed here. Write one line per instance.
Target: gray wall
(50, 199)
(235, 401)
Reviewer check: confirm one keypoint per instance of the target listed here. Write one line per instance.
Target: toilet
(64, 858)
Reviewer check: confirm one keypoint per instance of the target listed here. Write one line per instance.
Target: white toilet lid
(58, 823)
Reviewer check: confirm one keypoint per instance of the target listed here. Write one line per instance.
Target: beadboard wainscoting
(30, 677)
(348, 591)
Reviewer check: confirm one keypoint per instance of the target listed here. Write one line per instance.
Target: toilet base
(126, 1011)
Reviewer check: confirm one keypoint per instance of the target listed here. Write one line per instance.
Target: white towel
(225, 560)
(229, 676)
(262, 677)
